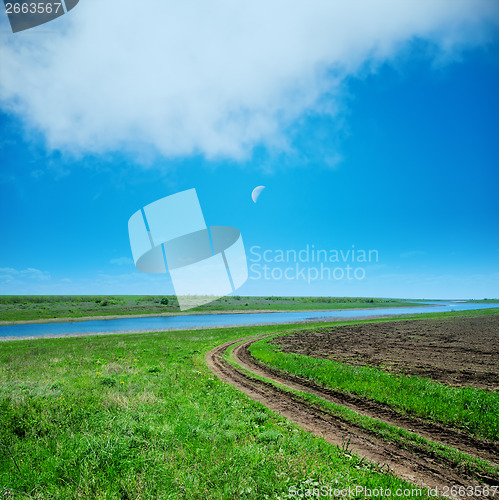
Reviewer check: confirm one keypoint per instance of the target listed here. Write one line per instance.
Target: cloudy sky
(373, 124)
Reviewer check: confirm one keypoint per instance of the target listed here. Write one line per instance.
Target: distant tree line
(171, 300)
(78, 299)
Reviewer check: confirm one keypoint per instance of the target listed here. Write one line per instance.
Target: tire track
(425, 470)
(433, 431)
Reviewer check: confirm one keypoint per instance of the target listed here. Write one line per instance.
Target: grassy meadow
(140, 416)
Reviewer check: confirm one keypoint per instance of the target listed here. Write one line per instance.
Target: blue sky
(394, 152)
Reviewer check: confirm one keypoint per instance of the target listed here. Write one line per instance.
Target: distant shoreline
(194, 313)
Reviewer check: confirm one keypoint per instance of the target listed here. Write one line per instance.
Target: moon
(256, 193)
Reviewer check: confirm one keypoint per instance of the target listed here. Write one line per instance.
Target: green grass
(29, 307)
(470, 409)
(387, 432)
(141, 416)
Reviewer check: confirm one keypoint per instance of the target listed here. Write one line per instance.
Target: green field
(34, 307)
(140, 416)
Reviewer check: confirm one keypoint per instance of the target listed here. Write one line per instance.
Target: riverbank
(19, 309)
(190, 313)
(189, 322)
(305, 322)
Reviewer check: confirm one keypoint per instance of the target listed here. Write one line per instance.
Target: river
(192, 321)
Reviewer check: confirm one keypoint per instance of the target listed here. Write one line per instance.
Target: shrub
(108, 382)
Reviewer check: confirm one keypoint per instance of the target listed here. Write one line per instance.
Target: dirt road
(420, 468)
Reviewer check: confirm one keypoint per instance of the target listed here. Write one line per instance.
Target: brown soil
(421, 468)
(454, 351)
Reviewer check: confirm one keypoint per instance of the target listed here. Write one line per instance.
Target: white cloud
(10, 275)
(122, 261)
(215, 78)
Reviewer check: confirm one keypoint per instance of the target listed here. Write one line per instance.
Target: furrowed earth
(455, 351)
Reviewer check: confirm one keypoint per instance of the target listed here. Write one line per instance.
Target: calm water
(217, 320)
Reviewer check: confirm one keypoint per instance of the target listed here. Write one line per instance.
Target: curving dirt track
(420, 468)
